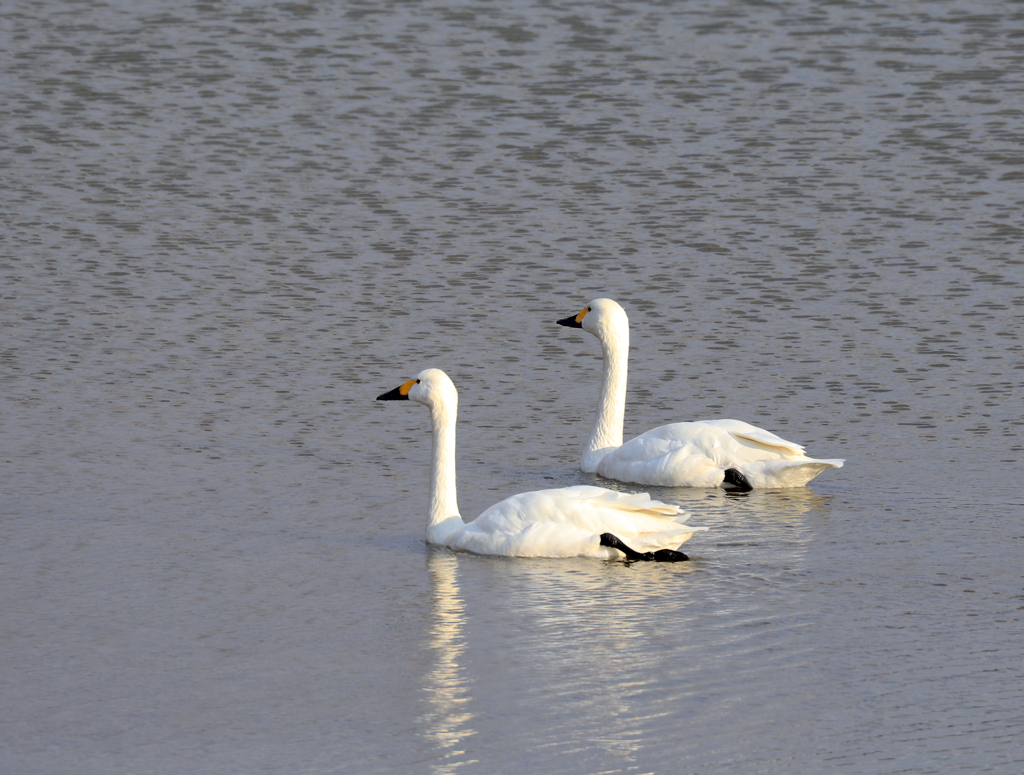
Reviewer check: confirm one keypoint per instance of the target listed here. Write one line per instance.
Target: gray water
(228, 226)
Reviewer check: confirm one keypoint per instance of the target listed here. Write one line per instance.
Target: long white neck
(444, 508)
(611, 410)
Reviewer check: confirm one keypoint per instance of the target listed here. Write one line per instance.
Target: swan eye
(417, 382)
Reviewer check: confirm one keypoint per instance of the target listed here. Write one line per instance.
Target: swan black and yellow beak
(400, 393)
(574, 321)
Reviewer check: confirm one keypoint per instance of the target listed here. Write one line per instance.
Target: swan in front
(705, 453)
(581, 521)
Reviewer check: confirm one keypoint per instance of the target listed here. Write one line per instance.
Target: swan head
(601, 317)
(431, 387)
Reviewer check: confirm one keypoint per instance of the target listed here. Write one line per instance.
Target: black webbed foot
(736, 481)
(669, 555)
(662, 555)
(609, 539)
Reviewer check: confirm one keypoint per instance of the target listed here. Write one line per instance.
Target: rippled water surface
(228, 226)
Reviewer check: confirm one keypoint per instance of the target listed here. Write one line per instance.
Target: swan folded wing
(540, 539)
(721, 440)
(669, 456)
(553, 539)
(569, 521)
(757, 436)
(567, 539)
(583, 505)
(638, 502)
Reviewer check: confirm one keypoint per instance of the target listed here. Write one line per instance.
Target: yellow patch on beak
(583, 314)
(404, 389)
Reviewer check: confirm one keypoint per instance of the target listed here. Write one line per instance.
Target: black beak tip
(392, 395)
(570, 322)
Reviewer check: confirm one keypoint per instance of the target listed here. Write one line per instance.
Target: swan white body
(565, 522)
(683, 454)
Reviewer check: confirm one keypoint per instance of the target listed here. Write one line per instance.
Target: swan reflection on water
(446, 721)
(573, 638)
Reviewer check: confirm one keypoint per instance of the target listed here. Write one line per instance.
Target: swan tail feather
(786, 473)
(666, 539)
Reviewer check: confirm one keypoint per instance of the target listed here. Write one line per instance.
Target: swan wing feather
(757, 436)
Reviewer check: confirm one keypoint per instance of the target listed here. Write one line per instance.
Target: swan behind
(705, 453)
(581, 521)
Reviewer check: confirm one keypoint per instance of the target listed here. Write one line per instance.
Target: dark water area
(229, 226)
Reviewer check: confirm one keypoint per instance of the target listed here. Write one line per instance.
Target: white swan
(580, 521)
(706, 453)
